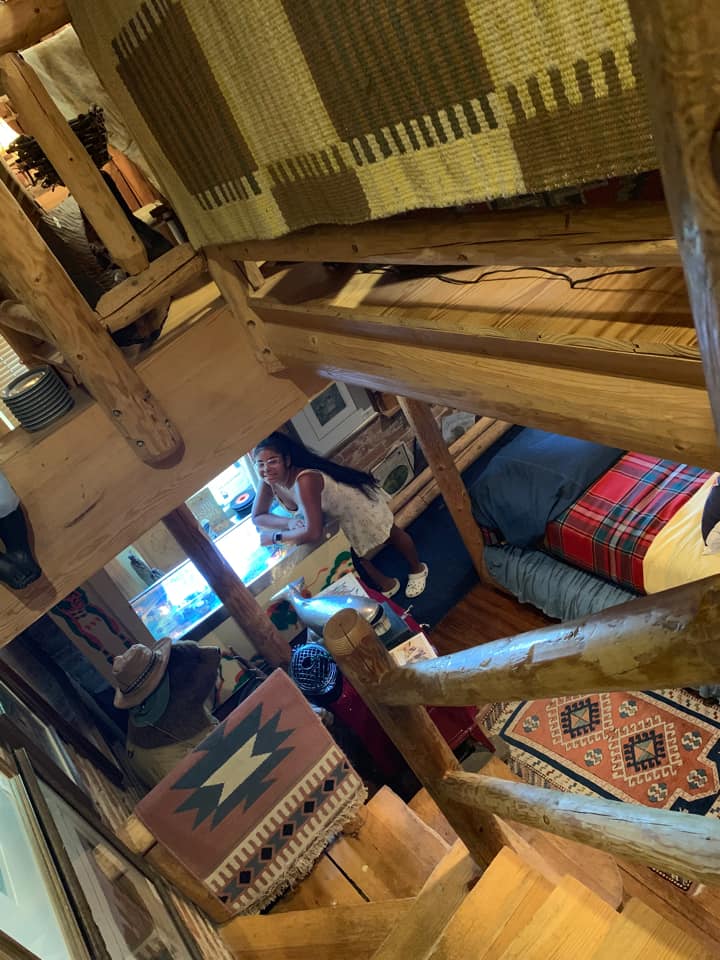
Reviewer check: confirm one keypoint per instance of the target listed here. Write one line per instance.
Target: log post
(236, 285)
(669, 639)
(665, 839)
(414, 506)
(33, 273)
(355, 647)
(238, 600)
(679, 50)
(456, 448)
(39, 115)
(25, 22)
(448, 480)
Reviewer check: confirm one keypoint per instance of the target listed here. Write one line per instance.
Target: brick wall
(368, 447)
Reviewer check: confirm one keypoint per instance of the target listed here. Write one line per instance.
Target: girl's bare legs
(405, 545)
(381, 581)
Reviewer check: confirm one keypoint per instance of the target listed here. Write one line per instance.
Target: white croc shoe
(392, 591)
(416, 583)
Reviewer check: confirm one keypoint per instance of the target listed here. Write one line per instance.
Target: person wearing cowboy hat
(165, 690)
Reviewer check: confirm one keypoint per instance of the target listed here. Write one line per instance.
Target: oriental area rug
(251, 808)
(661, 749)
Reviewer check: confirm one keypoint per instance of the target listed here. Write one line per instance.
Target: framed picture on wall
(36, 919)
(124, 910)
(86, 741)
(395, 470)
(331, 418)
(21, 728)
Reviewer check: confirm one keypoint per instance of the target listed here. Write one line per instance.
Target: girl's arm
(310, 486)
(261, 516)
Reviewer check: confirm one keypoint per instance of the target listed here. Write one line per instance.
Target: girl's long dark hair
(305, 459)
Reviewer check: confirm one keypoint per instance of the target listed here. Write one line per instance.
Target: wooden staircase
(399, 890)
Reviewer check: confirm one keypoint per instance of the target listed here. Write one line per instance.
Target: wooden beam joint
(58, 307)
(39, 115)
(236, 286)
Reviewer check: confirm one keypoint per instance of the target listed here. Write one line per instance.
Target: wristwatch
(277, 536)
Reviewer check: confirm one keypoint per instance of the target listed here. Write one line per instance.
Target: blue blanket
(559, 590)
(533, 479)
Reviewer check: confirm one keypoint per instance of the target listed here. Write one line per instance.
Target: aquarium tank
(180, 601)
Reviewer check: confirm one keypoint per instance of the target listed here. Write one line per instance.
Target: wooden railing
(636, 645)
(665, 640)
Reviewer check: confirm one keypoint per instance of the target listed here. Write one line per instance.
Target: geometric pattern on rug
(660, 749)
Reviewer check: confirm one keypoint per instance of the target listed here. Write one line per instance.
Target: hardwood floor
(482, 615)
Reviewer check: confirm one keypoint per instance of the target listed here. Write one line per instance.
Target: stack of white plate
(37, 397)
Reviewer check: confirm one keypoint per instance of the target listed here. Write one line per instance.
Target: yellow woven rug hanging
(264, 116)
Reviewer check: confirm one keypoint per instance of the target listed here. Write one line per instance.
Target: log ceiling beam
(665, 640)
(25, 22)
(86, 494)
(629, 234)
(166, 277)
(637, 324)
(657, 417)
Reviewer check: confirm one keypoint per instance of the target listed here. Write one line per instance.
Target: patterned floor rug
(660, 749)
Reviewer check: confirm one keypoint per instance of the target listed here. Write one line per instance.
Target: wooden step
(394, 852)
(442, 894)
(638, 933)
(430, 813)
(509, 893)
(327, 933)
(571, 923)
(325, 886)
(697, 914)
(553, 857)
(556, 857)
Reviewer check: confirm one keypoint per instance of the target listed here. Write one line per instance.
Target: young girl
(299, 478)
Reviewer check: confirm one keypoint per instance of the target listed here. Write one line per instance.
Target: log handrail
(664, 839)
(664, 640)
(362, 658)
(684, 843)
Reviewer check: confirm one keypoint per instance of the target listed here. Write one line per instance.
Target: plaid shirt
(609, 529)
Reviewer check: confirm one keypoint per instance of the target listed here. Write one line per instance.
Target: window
(10, 367)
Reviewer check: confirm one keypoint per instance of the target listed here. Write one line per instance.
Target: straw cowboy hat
(139, 671)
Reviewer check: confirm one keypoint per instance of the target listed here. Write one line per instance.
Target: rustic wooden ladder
(661, 641)
(668, 639)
